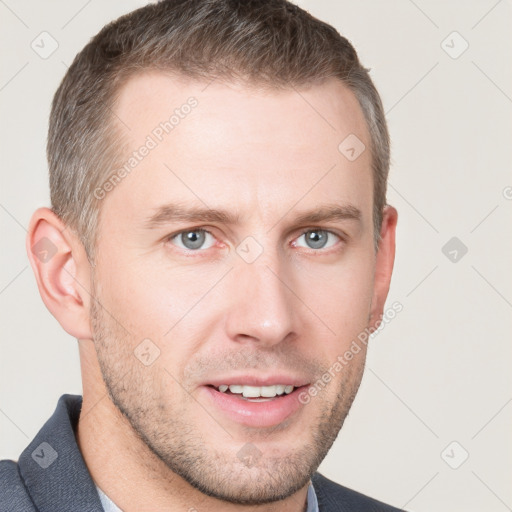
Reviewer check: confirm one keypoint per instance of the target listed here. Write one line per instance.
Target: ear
(62, 271)
(385, 259)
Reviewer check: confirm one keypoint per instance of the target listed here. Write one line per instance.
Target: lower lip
(255, 414)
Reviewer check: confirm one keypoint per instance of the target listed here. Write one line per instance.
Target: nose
(263, 306)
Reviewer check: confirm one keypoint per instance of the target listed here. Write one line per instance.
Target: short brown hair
(268, 43)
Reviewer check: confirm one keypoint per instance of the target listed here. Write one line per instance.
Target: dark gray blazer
(51, 475)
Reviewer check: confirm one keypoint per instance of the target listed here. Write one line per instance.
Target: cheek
(340, 293)
(341, 298)
(151, 299)
(130, 295)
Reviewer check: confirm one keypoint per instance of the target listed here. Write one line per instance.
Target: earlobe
(62, 272)
(385, 259)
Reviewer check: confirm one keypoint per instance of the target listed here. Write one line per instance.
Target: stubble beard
(162, 426)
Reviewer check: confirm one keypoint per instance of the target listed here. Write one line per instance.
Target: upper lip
(259, 380)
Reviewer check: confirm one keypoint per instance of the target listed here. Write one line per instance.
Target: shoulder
(333, 497)
(13, 493)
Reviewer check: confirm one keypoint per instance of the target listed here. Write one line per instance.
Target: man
(218, 236)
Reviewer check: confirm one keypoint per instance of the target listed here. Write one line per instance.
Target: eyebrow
(175, 213)
(169, 213)
(329, 212)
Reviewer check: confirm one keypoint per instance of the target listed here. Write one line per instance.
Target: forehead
(299, 116)
(235, 142)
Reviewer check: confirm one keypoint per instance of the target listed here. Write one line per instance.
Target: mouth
(255, 405)
(256, 393)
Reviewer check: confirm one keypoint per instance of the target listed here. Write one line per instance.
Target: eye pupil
(193, 239)
(316, 239)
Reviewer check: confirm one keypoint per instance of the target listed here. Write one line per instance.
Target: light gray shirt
(110, 506)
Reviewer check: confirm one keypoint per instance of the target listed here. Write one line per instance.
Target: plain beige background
(437, 387)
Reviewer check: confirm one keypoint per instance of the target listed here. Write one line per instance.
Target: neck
(127, 471)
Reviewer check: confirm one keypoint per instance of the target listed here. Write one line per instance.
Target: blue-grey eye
(193, 239)
(317, 239)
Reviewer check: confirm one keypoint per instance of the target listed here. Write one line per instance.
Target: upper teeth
(257, 391)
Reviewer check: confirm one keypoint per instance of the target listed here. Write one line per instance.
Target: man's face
(256, 270)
